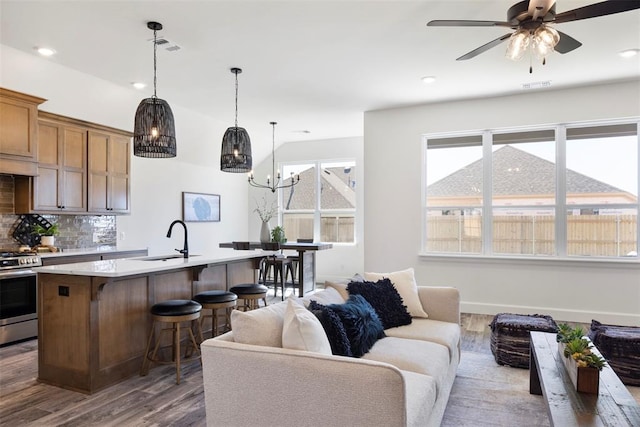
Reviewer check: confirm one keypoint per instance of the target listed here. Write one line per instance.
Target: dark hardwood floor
(155, 400)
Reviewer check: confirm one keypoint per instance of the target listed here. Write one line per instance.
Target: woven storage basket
(620, 346)
(510, 339)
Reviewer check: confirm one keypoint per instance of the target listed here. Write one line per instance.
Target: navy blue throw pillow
(385, 300)
(361, 323)
(333, 327)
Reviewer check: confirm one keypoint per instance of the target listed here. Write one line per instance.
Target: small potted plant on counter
(277, 235)
(47, 235)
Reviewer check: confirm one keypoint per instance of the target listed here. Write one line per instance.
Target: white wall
(156, 184)
(570, 291)
(343, 260)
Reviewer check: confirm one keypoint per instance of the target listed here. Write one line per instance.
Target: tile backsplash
(76, 231)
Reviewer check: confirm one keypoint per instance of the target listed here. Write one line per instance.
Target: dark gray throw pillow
(385, 300)
(333, 327)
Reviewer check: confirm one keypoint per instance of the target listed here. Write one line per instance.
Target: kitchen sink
(162, 257)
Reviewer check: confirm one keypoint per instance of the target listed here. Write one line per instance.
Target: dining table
(306, 274)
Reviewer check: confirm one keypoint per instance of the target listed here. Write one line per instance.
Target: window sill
(633, 262)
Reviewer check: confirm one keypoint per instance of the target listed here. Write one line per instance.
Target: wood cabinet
(109, 166)
(18, 132)
(61, 184)
(83, 168)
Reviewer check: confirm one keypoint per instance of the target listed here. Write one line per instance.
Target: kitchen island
(94, 317)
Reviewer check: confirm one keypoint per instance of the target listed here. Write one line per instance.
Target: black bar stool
(250, 294)
(214, 301)
(282, 267)
(173, 312)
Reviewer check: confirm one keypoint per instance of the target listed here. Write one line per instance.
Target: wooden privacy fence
(591, 235)
(334, 228)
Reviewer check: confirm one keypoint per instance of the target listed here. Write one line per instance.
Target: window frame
(560, 205)
(318, 211)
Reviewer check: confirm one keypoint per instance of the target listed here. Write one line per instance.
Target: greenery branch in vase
(266, 212)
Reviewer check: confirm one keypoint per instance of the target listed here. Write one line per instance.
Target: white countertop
(87, 251)
(133, 266)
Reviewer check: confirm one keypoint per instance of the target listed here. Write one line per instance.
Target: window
(602, 190)
(564, 191)
(322, 205)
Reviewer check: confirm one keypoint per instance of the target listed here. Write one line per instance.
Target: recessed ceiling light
(45, 51)
(139, 85)
(428, 79)
(629, 53)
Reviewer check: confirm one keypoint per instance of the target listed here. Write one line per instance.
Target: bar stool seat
(251, 294)
(214, 301)
(174, 312)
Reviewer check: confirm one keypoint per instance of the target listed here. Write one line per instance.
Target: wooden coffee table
(612, 406)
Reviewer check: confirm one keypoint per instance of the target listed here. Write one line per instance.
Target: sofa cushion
(405, 283)
(385, 300)
(303, 331)
(340, 287)
(421, 357)
(333, 327)
(259, 327)
(445, 333)
(326, 296)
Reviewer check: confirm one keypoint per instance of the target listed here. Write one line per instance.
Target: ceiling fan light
(518, 44)
(545, 40)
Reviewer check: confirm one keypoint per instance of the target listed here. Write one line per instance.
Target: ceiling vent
(166, 44)
(536, 85)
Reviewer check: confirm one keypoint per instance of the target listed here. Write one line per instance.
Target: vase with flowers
(266, 212)
(582, 364)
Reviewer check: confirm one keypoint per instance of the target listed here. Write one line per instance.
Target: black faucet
(185, 250)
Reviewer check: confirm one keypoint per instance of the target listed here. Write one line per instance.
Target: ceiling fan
(530, 19)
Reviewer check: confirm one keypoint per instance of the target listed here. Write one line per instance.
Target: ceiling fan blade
(483, 48)
(539, 8)
(463, 23)
(566, 43)
(598, 9)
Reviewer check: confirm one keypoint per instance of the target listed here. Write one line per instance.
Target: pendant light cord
(155, 61)
(273, 155)
(236, 99)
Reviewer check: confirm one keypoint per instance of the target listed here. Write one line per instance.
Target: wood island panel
(93, 330)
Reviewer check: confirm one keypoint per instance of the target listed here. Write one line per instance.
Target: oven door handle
(17, 273)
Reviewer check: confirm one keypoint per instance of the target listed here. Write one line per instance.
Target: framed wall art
(200, 207)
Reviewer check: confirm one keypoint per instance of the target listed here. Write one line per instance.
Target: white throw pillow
(259, 327)
(302, 330)
(405, 283)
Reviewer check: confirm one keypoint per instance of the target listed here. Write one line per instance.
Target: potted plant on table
(47, 235)
(277, 235)
(581, 363)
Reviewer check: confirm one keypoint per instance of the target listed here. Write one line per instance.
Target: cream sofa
(404, 380)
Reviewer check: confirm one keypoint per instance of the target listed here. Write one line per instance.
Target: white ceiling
(310, 65)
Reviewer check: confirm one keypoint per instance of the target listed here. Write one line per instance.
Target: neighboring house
(520, 178)
(337, 189)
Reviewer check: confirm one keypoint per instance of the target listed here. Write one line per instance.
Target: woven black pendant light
(154, 131)
(236, 144)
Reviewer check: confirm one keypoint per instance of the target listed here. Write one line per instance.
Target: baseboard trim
(558, 314)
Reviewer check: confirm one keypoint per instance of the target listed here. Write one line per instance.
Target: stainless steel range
(18, 296)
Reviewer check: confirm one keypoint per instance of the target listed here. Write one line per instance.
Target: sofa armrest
(441, 303)
(294, 388)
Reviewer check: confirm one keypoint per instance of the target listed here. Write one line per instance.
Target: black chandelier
(236, 144)
(274, 185)
(154, 131)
